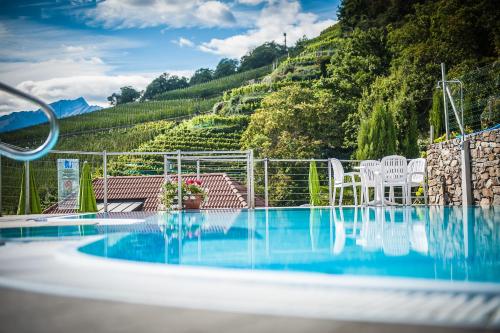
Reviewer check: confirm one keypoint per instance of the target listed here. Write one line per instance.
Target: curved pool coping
(57, 267)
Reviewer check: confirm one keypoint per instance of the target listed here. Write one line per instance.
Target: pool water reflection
(445, 243)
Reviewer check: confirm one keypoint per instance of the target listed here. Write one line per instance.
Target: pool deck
(56, 268)
(48, 313)
(61, 289)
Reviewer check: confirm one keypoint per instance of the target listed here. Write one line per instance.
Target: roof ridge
(235, 190)
(170, 175)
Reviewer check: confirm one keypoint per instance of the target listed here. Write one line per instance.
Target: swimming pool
(438, 243)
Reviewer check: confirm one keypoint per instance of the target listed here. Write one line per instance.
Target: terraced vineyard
(215, 87)
(125, 115)
(202, 133)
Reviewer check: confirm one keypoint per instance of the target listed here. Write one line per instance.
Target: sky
(64, 49)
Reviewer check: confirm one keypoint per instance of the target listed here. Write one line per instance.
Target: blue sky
(70, 48)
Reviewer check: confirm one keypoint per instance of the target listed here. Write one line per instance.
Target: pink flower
(198, 182)
(189, 182)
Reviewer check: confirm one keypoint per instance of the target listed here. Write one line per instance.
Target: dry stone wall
(444, 170)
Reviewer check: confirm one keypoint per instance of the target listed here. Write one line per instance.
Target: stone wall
(445, 174)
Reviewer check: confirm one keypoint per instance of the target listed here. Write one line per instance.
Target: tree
(226, 67)
(356, 63)
(114, 99)
(126, 95)
(163, 83)
(314, 186)
(294, 122)
(377, 137)
(262, 55)
(201, 75)
(403, 107)
(435, 114)
(298, 47)
(369, 13)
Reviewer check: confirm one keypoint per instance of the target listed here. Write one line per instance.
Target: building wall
(445, 175)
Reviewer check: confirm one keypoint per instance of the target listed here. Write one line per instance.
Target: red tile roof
(223, 192)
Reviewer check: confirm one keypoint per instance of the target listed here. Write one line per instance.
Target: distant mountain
(64, 108)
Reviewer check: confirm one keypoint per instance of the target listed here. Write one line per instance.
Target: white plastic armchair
(416, 177)
(370, 177)
(339, 181)
(394, 174)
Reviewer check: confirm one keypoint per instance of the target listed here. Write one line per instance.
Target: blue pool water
(443, 243)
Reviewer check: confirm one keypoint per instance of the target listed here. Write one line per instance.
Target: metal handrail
(29, 155)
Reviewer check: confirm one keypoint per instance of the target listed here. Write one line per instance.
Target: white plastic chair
(416, 177)
(370, 177)
(338, 181)
(394, 174)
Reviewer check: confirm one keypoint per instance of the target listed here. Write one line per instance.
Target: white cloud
(16, 72)
(121, 14)
(63, 64)
(183, 42)
(274, 19)
(72, 49)
(251, 2)
(94, 88)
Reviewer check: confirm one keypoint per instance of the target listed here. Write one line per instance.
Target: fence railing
(273, 182)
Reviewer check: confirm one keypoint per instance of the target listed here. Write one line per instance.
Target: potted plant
(193, 195)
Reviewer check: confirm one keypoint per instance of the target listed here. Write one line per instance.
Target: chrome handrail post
(27, 207)
(179, 181)
(266, 182)
(105, 179)
(330, 201)
(0, 185)
(50, 142)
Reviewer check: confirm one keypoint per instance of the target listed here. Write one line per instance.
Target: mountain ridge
(63, 108)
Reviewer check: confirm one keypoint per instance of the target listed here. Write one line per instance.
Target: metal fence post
(249, 190)
(0, 185)
(198, 169)
(329, 183)
(466, 174)
(446, 118)
(266, 183)
(252, 181)
(165, 167)
(179, 180)
(105, 172)
(27, 207)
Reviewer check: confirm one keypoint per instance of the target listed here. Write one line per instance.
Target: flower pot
(192, 203)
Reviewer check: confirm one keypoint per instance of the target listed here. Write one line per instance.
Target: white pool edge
(68, 255)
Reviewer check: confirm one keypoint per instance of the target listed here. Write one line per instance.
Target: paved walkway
(32, 312)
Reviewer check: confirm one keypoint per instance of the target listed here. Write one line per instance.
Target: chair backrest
(338, 171)
(416, 165)
(394, 168)
(367, 171)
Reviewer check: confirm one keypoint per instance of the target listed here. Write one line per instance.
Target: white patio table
(379, 190)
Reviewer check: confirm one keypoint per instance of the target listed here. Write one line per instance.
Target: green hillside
(125, 115)
(201, 133)
(215, 87)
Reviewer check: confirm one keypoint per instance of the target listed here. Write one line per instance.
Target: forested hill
(384, 56)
